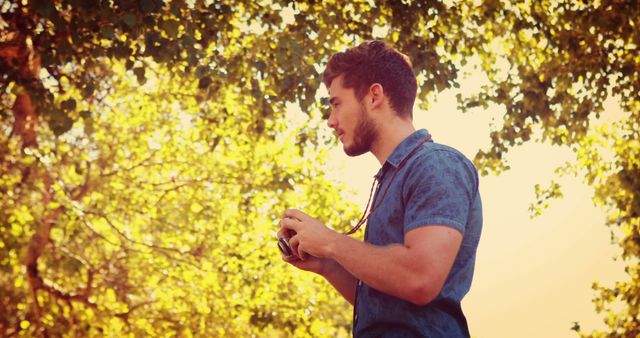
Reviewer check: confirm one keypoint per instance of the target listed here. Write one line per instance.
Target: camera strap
(366, 216)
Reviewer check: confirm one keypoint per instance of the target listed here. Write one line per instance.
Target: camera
(283, 245)
(283, 242)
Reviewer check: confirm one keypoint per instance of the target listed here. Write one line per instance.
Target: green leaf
(122, 51)
(260, 65)
(60, 122)
(287, 84)
(71, 266)
(139, 72)
(88, 90)
(130, 20)
(201, 71)
(171, 28)
(85, 114)
(68, 105)
(88, 125)
(150, 6)
(44, 8)
(204, 82)
(175, 10)
(196, 207)
(107, 32)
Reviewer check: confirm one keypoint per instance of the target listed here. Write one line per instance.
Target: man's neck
(389, 136)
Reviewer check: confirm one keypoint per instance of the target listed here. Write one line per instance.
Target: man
(416, 264)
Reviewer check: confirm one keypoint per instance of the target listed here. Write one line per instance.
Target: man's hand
(310, 263)
(307, 234)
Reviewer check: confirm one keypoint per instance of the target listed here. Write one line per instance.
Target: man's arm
(342, 280)
(414, 271)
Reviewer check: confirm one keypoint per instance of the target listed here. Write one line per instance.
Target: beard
(365, 132)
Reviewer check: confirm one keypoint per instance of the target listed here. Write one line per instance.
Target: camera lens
(284, 247)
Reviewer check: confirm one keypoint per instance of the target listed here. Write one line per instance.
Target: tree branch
(125, 315)
(69, 297)
(83, 189)
(38, 243)
(158, 249)
(139, 164)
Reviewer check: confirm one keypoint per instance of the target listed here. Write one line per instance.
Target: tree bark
(25, 121)
(21, 57)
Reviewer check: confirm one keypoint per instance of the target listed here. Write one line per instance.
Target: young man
(416, 264)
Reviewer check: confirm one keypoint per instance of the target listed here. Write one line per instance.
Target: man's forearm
(342, 280)
(388, 269)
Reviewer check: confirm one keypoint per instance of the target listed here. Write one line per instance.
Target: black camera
(283, 245)
(283, 242)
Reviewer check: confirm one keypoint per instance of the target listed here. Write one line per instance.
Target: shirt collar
(403, 149)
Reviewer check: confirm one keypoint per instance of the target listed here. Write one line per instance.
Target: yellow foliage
(177, 226)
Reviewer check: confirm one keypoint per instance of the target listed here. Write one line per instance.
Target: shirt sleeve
(439, 190)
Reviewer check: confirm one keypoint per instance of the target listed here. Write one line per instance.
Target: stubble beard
(366, 132)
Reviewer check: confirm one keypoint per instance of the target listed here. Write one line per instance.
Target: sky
(533, 277)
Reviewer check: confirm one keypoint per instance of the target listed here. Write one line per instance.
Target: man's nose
(332, 122)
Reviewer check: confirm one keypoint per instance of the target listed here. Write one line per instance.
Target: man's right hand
(341, 280)
(310, 263)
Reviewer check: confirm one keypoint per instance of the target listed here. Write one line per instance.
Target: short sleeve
(439, 189)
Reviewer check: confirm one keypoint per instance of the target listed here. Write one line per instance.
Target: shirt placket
(380, 178)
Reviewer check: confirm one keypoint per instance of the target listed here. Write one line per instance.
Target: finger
(294, 242)
(290, 259)
(295, 213)
(289, 224)
(303, 255)
(284, 232)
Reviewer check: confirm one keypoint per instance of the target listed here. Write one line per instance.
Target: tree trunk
(26, 121)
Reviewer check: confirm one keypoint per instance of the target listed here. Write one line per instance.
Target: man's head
(376, 62)
(363, 82)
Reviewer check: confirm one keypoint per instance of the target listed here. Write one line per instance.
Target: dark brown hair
(376, 62)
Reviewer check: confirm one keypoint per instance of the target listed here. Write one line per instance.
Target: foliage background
(146, 151)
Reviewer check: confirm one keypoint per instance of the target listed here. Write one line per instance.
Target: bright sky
(533, 276)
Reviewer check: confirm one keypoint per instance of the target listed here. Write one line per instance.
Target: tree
(60, 64)
(175, 230)
(149, 208)
(565, 59)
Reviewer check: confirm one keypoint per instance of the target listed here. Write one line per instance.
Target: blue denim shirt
(437, 185)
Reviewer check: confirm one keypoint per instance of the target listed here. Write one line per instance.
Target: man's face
(350, 119)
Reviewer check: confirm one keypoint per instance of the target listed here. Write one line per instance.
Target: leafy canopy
(147, 145)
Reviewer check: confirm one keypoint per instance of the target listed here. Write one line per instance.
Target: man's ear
(376, 96)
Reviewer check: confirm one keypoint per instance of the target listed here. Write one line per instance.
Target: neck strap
(366, 216)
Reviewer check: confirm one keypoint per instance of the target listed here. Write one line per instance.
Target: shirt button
(355, 318)
(359, 283)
